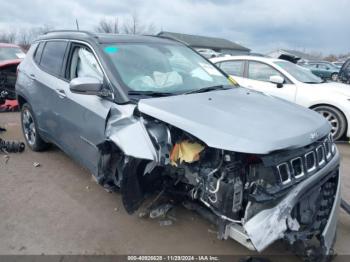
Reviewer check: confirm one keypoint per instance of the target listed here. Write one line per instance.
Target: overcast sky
(309, 25)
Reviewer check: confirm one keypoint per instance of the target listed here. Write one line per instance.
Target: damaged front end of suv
(257, 182)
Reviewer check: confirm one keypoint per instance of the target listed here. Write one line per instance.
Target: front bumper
(271, 224)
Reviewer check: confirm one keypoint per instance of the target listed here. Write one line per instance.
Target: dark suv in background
(344, 73)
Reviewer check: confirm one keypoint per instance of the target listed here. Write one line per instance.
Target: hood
(5, 63)
(239, 120)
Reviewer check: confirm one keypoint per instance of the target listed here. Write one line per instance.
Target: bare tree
(134, 26)
(26, 36)
(108, 26)
(8, 37)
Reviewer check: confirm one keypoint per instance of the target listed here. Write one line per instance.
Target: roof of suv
(103, 38)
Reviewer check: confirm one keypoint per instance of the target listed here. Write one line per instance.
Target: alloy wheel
(29, 127)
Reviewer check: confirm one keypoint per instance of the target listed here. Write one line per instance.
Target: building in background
(207, 44)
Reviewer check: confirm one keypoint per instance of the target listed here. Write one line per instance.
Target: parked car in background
(323, 69)
(10, 57)
(151, 117)
(344, 73)
(292, 82)
(338, 63)
(208, 53)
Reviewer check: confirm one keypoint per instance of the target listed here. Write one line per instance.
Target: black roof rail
(72, 31)
(170, 38)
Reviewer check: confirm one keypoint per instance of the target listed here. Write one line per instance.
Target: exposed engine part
(11, 146)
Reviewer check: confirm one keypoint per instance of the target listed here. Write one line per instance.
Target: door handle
(61, 93)
(32, 76)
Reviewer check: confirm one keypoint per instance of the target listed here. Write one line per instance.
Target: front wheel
(30, 129)
(335, 118)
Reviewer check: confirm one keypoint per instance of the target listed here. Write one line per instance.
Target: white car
(294, 83)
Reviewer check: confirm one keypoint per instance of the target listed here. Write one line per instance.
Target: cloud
(260, 25)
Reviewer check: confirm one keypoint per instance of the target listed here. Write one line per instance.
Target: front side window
(52, 57)
(84, 64)
(156, 67)
(10, 53)
(261, 72)
(299, 73)
(234, 68)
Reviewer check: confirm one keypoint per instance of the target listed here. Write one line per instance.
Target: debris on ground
(160, 211)
(167, 222)
(11, 146)
(36, 164)
(87, 187)
(116, 209)
(2, 129)
(6, 157)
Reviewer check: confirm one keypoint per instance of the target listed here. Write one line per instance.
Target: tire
(334, 77)
(335, 117)
(30, 129)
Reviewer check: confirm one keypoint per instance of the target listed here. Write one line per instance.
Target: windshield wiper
(207, 89)
(149, 93)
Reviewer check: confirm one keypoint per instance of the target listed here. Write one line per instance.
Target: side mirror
(279, 80)
(86, 85)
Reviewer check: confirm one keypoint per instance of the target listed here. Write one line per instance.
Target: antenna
(77, 24)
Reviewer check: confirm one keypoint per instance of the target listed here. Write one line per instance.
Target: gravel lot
(57, 208)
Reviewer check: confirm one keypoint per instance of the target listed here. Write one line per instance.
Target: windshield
(9, 53)
(299, 73)
(163, 68)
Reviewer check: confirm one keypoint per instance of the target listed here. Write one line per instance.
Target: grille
(307, 163)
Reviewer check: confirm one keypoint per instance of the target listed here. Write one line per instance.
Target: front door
(83, 117)
(258, 78)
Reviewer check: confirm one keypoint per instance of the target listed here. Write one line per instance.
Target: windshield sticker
(111, 49)
(210, 69)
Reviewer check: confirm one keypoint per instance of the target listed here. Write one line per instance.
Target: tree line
(129, 25)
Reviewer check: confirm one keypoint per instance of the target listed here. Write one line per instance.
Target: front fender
(129, 134)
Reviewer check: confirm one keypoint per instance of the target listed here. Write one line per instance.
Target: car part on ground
(299, 86)
(260, 168)
(8, 105)
(10, 146)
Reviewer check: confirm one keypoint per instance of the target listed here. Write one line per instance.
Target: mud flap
(131, 185)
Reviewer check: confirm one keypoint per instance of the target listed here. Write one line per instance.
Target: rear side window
(261, 72)
(38, 52)
(233, 67)
(52, 57)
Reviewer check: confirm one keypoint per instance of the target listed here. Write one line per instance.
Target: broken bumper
(271, 224)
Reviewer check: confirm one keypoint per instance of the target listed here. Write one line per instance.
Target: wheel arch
(335, 107)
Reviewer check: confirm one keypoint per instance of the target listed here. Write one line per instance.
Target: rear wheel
(335, 118)
(30, 129)
(334, 77)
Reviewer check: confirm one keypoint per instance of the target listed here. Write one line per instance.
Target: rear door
(258, 78)
(234, 68)
(47, 79)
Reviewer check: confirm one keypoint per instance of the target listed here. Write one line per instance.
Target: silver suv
(151, 117)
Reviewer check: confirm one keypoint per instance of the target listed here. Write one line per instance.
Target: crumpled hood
(239, 120)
